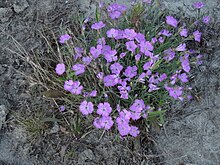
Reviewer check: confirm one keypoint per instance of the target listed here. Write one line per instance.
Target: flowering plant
(131, 65)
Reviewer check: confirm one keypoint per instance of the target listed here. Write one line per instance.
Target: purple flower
(76, 88)
(96, 51)
(152, 87)
(130, 71)
(130, 34)
(78, 68)
(147, 1)
(140, 37)
(115, 10)
(78, 50)
(162, 77)
(206, 19)
(122, 55)
(134, 131)
(165, 33)
(184, 32)
(62, 108)
(86, 108)
(137, 106)
(181, 47)
(68, 85)
(104, 109)
(183, 77)
(170, 20)
(111, 55)
(175, 92)
(170, 54)
(148, 65)
(106, 122)
(124, 129)
(97, 123)
(100, 75)
(145, 47)
(185, 65)
(60, 68)
(131, 46)
(120, 35)
(98, 25)
(93, 93)
(116, 68)
(125, 114)
(197, 35)
(161, 39)
(112, 33)
(110, 80)
(87, 60)
(154, 40)
(141, 78)
(137, 57)
(198, 5)
(64, 38)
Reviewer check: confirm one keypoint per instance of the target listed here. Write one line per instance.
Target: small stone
(55, 128)
(20, 5)
(5, 14)
(86, 155)
(3, 114)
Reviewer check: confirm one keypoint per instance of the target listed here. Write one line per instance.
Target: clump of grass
(126, 66)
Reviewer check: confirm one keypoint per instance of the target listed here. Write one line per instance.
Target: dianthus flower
(115, 10)
(104, 109)
(134, 131)
(111, 55)
(137, 106)
(146, 47)
(152, 87)
(76, 88)
(170, 54)
(131, 46)
(140, 37)
(183, 77)
(130, 34)
(198, 5)
(184, 32)
(64, 38)
(148, 65)
(181, 47)
(60, 68)
(165, 33)
(68, 85)
(197, 35)
(106, 122)
(110, 80)
(170, 20)
(95, 52)
(87, 60)
(130, 71)
(78, 68)
(116, 68)
(98, 25)
(86, 108)
(112, 33)
(206, 19)
(124, 129)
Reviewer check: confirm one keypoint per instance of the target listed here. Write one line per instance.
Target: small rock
(86, 155)
(20, 5)
(3, 114)
(5, 14)
(55, 128)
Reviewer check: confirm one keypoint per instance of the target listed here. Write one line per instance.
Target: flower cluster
(129, 70)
